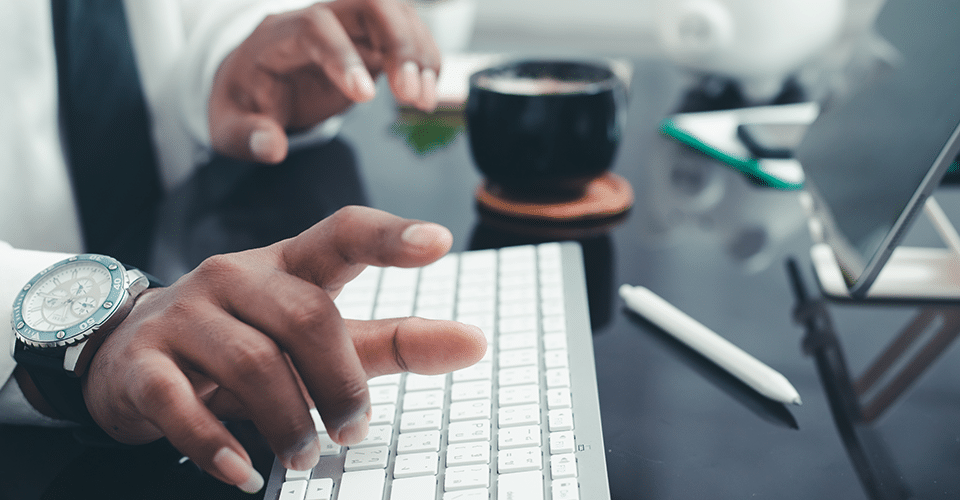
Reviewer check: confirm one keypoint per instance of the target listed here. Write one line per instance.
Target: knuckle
(254, 362)
(313, 19)
(155, 389)
(218, 267)
(349, 216)
(309, 313)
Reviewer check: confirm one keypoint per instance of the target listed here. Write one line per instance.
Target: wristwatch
(63, 314)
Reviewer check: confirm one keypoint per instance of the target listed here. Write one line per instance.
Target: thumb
(251, 137)
(417, 345)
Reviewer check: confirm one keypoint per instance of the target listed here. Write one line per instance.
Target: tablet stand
(912, 351)
(911, 273)
(929, 276)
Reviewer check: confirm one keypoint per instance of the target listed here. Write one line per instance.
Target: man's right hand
(256, 335)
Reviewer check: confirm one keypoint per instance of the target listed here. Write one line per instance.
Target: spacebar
(362, 485)
(520, 486)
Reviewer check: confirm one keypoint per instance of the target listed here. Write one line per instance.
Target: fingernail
(428, 90)
(423, 235)
(260, 144)
(410, 80)
(307, 457)
(362, 84)
(355, 430)
(238, 471)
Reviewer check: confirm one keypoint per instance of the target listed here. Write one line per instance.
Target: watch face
(66, 301)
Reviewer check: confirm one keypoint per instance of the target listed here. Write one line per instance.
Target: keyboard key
(482, 306)
(393, 310)
(479, 371)
(552, 307)
(518, 376)
(565, 489)
(470, 476)
(519, 394)
(517, 340)
(474, 430)
(518, 294)
(518, 415)
(319, 489)
(462, 391)
(422, 400)
(414, 488)
(525, 485)
(470, 410)
(363, 485)
(559, 398)
(392, 379)
(293, 475)
(554, 324)
(379, 435)
(417, 382)
(553, 341)
(422, 420)
(415, 442)
(328, 447)
(384, 394)
(434, 312)
(518, 437)
(558, 377)
(473, 494)
(468, 453)
(293, 490)
(562, 466)
(416, 464)
(439, 297)
(519, 357)
(560, 420)
(366, 458)
(518, 324)
(520, 459)
(525, 308)
(555, 358)
(561, 442)
(383, 414)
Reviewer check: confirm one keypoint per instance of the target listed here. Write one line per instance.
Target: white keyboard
(522, 424)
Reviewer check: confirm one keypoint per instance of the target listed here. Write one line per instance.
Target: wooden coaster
(605, 197)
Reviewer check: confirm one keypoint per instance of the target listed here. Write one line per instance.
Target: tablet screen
(873, 158)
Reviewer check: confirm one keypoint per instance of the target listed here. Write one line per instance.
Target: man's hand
(255, 335)
(302, 67)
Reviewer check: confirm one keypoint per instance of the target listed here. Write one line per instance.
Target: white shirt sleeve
(16, 268)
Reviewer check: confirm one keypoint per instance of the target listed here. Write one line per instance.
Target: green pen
(749, 166)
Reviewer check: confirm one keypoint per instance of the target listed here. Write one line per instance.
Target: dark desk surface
(674, 425)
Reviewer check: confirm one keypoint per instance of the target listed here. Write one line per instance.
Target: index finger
(356, 236)
(408, 50)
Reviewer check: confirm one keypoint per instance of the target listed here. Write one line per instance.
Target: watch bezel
(62, 337)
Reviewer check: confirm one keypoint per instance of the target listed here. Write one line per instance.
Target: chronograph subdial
(83, 306)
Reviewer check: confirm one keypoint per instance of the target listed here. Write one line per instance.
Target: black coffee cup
(544, 128)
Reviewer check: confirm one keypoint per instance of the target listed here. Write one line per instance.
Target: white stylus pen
(691, 332)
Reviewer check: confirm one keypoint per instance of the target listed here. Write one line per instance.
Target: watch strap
(62, 392)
